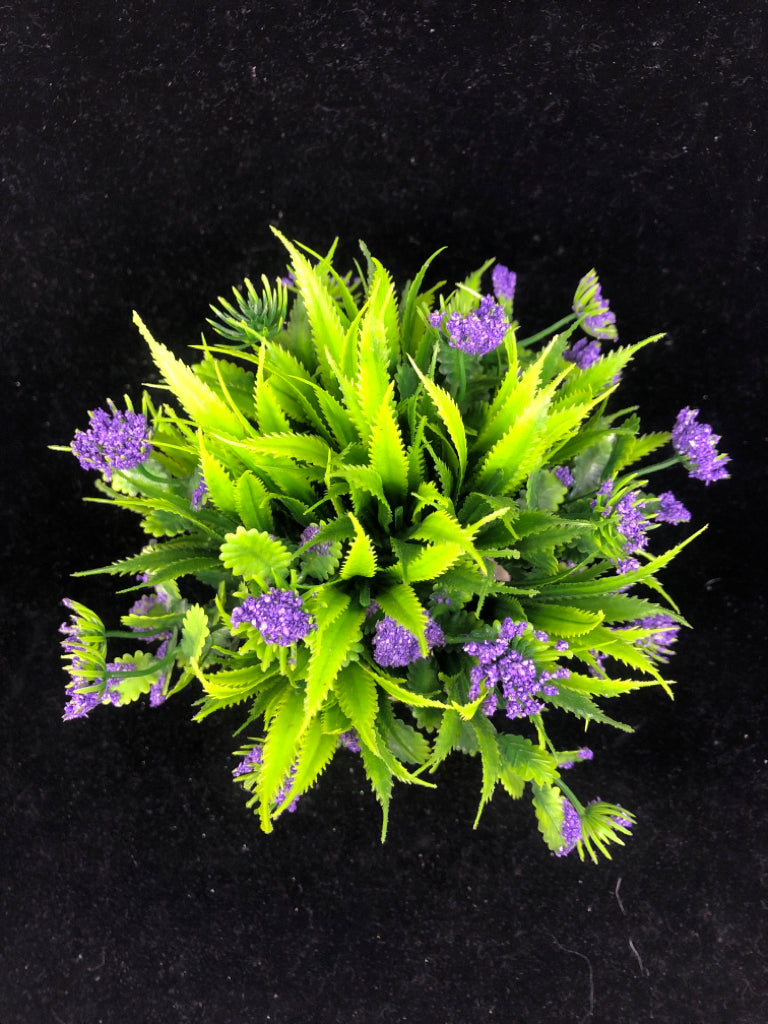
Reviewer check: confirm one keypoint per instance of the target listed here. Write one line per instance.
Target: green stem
(676, 460)
(547, 331)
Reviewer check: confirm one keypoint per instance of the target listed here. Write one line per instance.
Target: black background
(145, 148)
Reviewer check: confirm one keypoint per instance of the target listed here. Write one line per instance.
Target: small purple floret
(697, 444)
(632, 523)
(570, 830)
(504, 281)
(116, 440)
(564, 475)
(583, 353)
(395, 647)
(671, 510)
(278, 615)
(315, 549)
(198, 494)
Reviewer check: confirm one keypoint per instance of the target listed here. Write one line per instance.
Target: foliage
(344, 476)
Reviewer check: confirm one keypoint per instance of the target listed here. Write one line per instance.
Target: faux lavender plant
(419, 534)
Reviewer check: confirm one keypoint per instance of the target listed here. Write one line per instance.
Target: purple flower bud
(671, 510)
(350, 741)
(315, 549)
(697, 445)
(583, 353)
(198, 494)
(564, 475)
(120, 440)
(504, 281)
(570, 830)
(632, 523)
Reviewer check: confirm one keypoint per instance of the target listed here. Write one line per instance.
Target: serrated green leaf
(331, 645)
(356, 693)
(201, 403)
(252, 503)
(279, 751)
(446, 739)
(361, 557)
(400, 603)
(548, 805)
(194, 633)
(219, 484)
(386, 451)
(402, 740)
(487, 742)
(255, 555)
(562, 620)
(409, 697)
(315, 753)
(582, 706)
(441, 527)
(301, 447)
(530, 762)
(380, 778)
(451, 417)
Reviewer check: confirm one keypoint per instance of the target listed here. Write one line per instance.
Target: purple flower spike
(480, 331)
(632, 523)
(504, 281)
(564, 475)
(116, 440)
(198, 494)
(250, 762)
(583, 353)
(671, 510)
(278, 615)
(697, 444)
(570, 829)
(395, 647)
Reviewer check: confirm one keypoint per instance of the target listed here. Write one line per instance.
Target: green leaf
(487, 742)
(219, 484)
(331, 645)
(255, 555)
(582, 706)
(361, 558)
(402, 740)
(604, 687)
(279, 751)
(409, 697)
(300, 447)
(386, 451)
(380, 777)
(441, 527)
(451, 417)
(252, 503)
(200, 402)
(357, 696)
(528, 761)
(562, 620)
(447, 738)
(194, 633)
(315, 753)
(548, 805)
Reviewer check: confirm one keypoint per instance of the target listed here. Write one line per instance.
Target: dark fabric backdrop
(145, 148)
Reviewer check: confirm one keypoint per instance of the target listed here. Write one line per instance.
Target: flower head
(583, 353)
(477, 332)
(116, 440)
(504, 281)
(592, 309)
(570, 829)
(394, 646)
(632, 523)
(500, 667)
(199, 494)
(697, 444)
(564, 475)
(659, 643)
(278, 615)
(671, 510)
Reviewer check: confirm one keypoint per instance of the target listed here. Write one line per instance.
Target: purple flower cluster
(697, 444)
(583, 353)
(671, 510)
(395, 647)
(501, 667)
(120, 440)
(570, 829)
(350, 741)
(315, 549)
(504, 282)
(632, 523)
(592, 309)
(80, 704)
(477, 332)
(278, 615)
(659, 643)
(564, 475)
(198, 494)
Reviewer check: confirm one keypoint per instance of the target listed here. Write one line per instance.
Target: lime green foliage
(423, 479)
